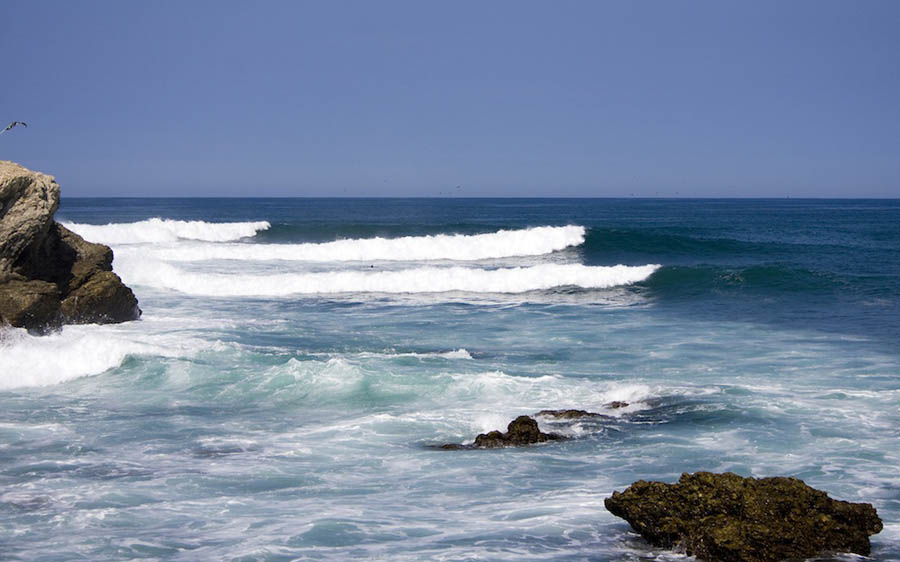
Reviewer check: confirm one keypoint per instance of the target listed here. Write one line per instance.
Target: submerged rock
(568, 414)
(49, 275)
(521, 431)
(572, 414)
(728, 518)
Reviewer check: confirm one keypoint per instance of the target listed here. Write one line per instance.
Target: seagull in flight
(13, 124)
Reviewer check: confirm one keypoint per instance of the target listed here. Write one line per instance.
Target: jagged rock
(48, 274)
(27, 203)
(521, 431)
(728, 518)
(617, 404)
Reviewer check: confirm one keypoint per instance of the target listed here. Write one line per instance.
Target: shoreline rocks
(520, 432)
(49, 275)
(568, 414)
(524, 430)
(729, 518)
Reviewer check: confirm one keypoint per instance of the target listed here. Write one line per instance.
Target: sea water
(298, 359)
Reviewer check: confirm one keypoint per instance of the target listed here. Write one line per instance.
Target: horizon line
(511, 197)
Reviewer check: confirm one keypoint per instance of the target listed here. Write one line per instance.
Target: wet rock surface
(49, 275)
(520, 432)
(729, 518)
(568, 414)
(524, 430)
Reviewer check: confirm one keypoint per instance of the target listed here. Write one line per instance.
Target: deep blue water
(278, 399)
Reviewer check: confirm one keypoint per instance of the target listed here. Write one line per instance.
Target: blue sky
(503, 98)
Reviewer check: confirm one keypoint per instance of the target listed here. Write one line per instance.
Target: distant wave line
(158, 230)
(416, 280)
(501, 244)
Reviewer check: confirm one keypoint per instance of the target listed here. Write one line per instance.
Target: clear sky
(502, 98)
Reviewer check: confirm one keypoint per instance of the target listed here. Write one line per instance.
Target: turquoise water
(297, 359)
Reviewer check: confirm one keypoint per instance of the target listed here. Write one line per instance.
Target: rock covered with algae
(729, 518)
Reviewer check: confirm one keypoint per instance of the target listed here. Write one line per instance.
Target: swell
(617, 243)
(704, 279)
(707, 245)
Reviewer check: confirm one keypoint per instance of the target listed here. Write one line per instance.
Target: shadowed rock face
(48, 274)
(728, 518)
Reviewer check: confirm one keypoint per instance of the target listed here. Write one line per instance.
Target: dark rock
(102, 299)
(48, 274)
(568, 414)
(617, 404)
(29, 304)
(452, 447)
(521, 431)
(728, 518)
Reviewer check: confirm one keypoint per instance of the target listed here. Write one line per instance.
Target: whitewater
(298, 360)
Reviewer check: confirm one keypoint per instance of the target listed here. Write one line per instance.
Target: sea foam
(76, 351)
(157, 230)
(415, 280)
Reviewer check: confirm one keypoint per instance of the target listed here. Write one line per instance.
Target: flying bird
(13, 124)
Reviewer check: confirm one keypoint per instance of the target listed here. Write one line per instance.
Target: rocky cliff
(48, 274)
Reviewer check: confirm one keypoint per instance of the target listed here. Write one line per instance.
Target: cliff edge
(49, 275)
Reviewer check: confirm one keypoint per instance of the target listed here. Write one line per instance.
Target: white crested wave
(416, 280)
(159, 230)
(501, 244)
(76, 351)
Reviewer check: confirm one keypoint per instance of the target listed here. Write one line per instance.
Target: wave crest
(415, 280)
(157, 230)
(501, 244)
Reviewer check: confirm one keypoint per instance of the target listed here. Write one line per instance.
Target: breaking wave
(157, 230)
(76, 351)
(416, 280)
(501, 244)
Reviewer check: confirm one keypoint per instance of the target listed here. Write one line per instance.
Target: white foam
(76, 351)
(416, 280)
(501, 244)
(460, 353)
(157, 230)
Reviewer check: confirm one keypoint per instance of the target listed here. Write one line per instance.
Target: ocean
(298, 360)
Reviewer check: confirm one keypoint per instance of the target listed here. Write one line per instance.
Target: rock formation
(49, 275)
(725, 517)
(521, 431)
(568, 414)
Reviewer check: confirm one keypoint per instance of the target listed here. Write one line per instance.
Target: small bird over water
(13, 124)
